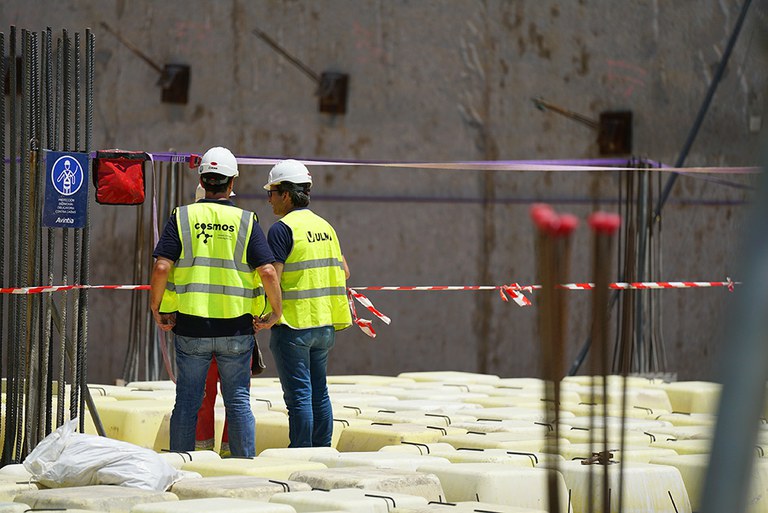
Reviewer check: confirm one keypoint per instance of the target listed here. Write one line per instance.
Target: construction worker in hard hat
(206, 419)
(313, 274)
(213, 265)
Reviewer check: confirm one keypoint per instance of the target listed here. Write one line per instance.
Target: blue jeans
(193, 356)
(301, 358)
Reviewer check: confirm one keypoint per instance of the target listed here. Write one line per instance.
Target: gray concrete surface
(438, 81)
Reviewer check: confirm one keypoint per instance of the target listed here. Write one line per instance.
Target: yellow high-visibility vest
(212, 277)
(313, 280)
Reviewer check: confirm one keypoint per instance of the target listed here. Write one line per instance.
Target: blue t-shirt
(257, 253)
(280, 239)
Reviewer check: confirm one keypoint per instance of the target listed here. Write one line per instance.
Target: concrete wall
(437, 81)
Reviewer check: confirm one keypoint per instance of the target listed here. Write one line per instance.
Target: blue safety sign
(66, 189)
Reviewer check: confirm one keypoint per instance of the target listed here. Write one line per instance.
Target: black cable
(684, 153)
(703, 109)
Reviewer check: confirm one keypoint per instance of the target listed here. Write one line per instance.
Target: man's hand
(264, 323)
(166, 321)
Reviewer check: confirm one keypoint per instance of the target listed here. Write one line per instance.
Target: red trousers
(206, 433)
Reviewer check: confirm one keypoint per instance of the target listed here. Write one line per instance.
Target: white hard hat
(200, 193)
(288, 171)
(218, 160)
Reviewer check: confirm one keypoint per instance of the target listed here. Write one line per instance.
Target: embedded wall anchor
(174, 78)
(614, 129)
(331, 86)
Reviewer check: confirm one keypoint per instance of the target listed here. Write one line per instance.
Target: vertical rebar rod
(45, 365)
(41, 369)
(3, 194)
(553, 252)
(50, 236)
(24, 250)
(31, 397)
(88, 126)
(80, 382)
(659, 271)
(62, 377)
(546, 320)
(76, 88)
(67, 146)
(642, 239)
(90, 54)
(33, 402)
(604, 227)
(625, 339)
(13, 306)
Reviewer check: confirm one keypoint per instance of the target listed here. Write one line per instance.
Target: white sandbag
(66, 458)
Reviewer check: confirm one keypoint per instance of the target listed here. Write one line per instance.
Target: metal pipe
(744, 365)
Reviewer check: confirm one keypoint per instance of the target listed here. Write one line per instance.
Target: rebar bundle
(43, 348)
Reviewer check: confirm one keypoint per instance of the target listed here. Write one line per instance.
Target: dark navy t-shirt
(280, 239)
(258, 253)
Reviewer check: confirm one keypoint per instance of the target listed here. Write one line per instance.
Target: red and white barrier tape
(59, 288)
(364, 324)
(514, 287)
(514, 290)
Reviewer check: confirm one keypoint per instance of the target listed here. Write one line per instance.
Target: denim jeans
(193, 356)
(301, 358)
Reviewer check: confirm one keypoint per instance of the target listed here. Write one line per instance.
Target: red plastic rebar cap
(605, 222)
(544, 217)
(567, 223)
(547, 220)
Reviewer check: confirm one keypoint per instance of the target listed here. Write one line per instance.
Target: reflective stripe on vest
(313, 281)
(206, 281)
(312, 264)
(306, 294)
(216, 289)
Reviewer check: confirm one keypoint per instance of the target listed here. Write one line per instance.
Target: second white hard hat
(288, 170)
